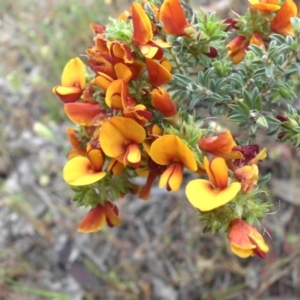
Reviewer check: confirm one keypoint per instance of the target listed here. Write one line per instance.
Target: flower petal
(67, 94)
(169, 148)
(133, 154)
(158, 74)
(142, 28)
(78, 171)
(202, 195)
(111, 212)
(241, 252)
(83, 114)
(217, 171)
(173, 18)
(282, 21)
(74, 73)
(94, 221)
(117, 133)
(172, 177)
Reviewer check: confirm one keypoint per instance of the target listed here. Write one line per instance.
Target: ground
(159, 251)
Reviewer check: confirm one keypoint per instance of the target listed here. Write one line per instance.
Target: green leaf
(262, 121)
(238, 118)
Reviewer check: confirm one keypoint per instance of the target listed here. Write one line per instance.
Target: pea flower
(282, 21)
(143, 34)
(207, 195)
(120, 138)
(237, 48)
(171, 151)
(80, 170)
(256, 39)
(247, 175)
(161, 101)
(159, 73)
(264, 5)
(72, 81)
(245, 240)
(221, 145)
(84, 113)
(99, 216)
(173, 18)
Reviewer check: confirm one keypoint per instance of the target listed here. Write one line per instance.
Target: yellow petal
(123, 72)
(74, 73)
(217, 171)
(113, 94)
(133, 154)
(202, 195)
(169, 148)
(172, 177)
(103, 81)
(117, 133)
(241, 252)
(78, 172)
(96, 157)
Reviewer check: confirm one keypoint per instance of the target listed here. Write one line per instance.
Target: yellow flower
(81, 170)
(245, 240)
(120, 138)
(264, 5)
(72, 81)
(171, 151)
(208, 195)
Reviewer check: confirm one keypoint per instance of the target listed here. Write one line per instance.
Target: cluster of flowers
(128, 125)
(266, 17)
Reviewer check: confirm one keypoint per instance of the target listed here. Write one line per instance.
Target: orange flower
(171, 151)
(99, 216)
(162, 102)
(84, 114)
(248, 177)
(72, 81)
(248, 174)
(159, 73)
(220, 145)
(208, 195)
(237, 48)
(264, 5)
(282, 21)
(143, 34)
(256, 39)
(245, 240)
(117, 95)
(173, 18)
(120, 138)
(80, 170)
(77, 150)
(138, 113)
